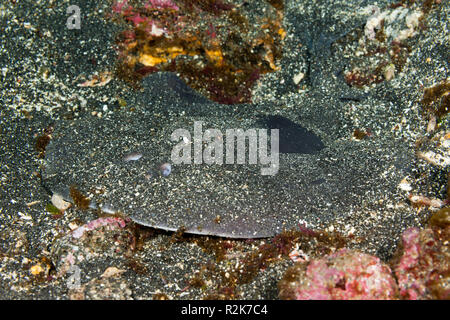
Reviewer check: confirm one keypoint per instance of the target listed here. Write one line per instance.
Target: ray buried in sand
(209, 147)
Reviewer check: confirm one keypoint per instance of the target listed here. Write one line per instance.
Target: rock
(423, 265)
(93, 242)
(343, 275)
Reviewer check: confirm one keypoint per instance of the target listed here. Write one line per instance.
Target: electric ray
(321, 173)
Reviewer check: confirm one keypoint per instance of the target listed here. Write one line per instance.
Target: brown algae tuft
(79, 199)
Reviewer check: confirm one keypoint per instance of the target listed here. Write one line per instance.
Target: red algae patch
(213, 45)
(423, 266)
(421, 269)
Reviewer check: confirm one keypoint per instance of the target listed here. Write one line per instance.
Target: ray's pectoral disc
(213, 172)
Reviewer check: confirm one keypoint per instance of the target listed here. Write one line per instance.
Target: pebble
(59, 202)
(107, 208)
(132, 156)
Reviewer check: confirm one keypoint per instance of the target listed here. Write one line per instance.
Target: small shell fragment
(405, 185)
(425, 201)
(434, 158)
(431, 124)
(298, 77)
(389, 72)
(60, 203)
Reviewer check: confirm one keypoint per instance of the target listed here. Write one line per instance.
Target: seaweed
(436, 99)
(43, 140)
(80, 200)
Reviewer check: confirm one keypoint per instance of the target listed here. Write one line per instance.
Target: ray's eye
(165, 169)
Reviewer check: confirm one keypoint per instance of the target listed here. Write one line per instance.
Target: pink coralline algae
(344, 275)
(423, 269)
(119, 6)
(94, 224)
